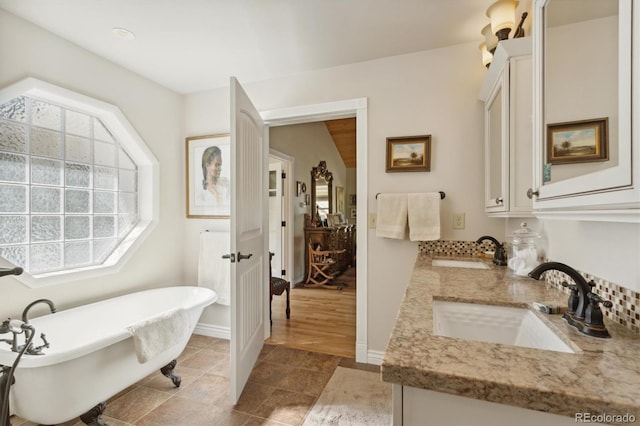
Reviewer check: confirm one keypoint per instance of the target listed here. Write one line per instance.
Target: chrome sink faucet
(498, 254)
(583, 307)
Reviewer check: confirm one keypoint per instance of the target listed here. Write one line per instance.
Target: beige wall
(156, 114)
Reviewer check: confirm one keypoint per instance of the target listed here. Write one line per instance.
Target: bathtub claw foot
(167, 371)
(93, 417)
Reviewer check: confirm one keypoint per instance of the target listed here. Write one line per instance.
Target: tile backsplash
(626, 302)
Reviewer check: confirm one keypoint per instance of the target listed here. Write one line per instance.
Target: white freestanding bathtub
(92, 355)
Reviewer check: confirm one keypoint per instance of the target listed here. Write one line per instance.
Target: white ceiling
(195, 45)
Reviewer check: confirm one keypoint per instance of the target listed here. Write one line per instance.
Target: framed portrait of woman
(208, 176)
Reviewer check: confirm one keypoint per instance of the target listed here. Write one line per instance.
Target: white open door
(249, 228)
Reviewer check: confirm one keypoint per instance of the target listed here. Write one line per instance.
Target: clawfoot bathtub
(92, 355)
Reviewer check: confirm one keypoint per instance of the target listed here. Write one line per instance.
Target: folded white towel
(213, 271)
(392, 216)
(424, 216)
(153, 336)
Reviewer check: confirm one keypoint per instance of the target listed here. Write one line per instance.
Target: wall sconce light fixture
(502, 15)
(486, 55)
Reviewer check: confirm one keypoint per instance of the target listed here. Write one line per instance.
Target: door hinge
(283, 223)
(284, 174)
(283, 273)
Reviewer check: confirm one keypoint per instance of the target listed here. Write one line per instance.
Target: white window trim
(148, 177)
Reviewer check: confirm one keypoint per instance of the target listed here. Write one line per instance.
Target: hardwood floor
(322, 320)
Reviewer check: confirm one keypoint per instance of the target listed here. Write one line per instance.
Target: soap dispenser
(524, 250)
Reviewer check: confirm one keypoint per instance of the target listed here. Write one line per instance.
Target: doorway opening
(323, 307)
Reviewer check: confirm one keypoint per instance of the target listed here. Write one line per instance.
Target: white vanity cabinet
(422, 407)
(507, 96)
(584, 75)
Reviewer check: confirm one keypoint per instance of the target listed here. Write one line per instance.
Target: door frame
(330, 111)
(288, 167)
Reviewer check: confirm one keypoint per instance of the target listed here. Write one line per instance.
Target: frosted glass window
(77, 201)
(78, 124)
(46, 228)
(100, 132)
(104, 202)
(13, 199)
(46, 115)
(46, 172)
(45, 257)
(46, 200)
(77, 149)
(13, 229)
(68, 188)
(104, 226)
(77, 253)
(105, 178)
(102, 249)
(126, 224)
(13, 168)
(105, 154)
(13, 136)
(77, 175)
(128, 180)
(14, 110)
(77, 227)
(15, 254)
(46, 143)
(125, 162)
(127, 203)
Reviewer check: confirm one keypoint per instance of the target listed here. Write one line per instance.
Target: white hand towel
(392, 216)
(424, 216)
(213, 270)
(153, 336)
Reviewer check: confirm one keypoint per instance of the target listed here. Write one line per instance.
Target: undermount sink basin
(495, 324)
(459, 263)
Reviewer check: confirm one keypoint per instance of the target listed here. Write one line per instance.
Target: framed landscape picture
(409, 154)
(578, 141)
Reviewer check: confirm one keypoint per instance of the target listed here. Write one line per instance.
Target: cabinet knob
(531, 193)
(499, 200)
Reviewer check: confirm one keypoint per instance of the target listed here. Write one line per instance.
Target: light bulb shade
(486, 55)
(503, 15)
(490, 39)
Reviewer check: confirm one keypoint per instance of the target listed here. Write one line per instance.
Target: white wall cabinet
(507, 96)
(571, 86)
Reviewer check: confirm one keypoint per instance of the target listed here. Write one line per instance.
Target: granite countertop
(602, 377)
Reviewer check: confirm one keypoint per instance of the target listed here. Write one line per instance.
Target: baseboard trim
(375, 357)
(213, 331)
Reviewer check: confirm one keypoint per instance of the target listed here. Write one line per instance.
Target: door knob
(230, 256)
(531, 193)
(499, 200)
(244, 256)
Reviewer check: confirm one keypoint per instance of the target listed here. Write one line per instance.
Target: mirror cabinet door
(496, 145)
(582, 87)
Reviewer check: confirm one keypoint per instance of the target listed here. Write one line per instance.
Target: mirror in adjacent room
(321, 191)
(583, 114)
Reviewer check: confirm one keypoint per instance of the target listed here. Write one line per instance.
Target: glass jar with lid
(524, 250)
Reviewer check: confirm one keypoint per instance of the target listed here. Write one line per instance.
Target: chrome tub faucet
(583, 306)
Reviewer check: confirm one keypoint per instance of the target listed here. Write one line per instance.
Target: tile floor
(282, 388)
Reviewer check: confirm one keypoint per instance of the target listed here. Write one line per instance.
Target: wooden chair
(277, 287)
(320, 263)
